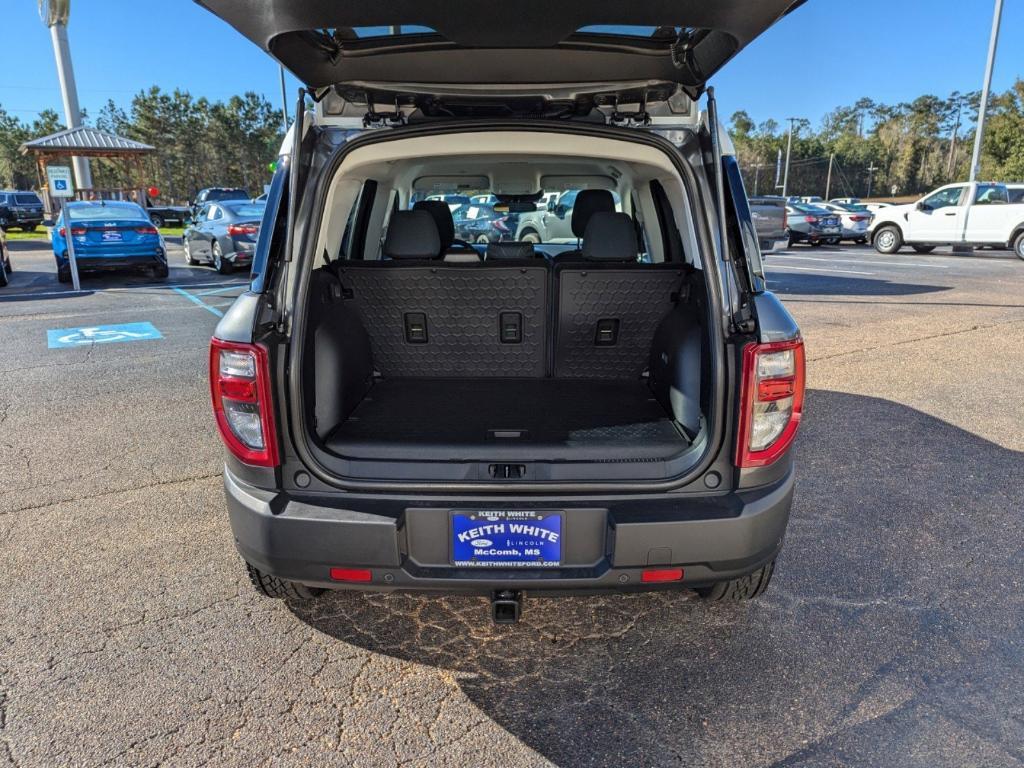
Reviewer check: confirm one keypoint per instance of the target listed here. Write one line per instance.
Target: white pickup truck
(978, 213)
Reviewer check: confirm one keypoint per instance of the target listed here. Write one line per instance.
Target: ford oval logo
(481, 542)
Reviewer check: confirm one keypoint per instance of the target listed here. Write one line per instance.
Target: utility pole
(871, 172)
(789, 150)
(284, 102)
(55, 14)
(757, 173)
(828, 179)
(993, 41)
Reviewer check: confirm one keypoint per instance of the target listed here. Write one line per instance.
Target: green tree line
(198, 142)
(884, 150)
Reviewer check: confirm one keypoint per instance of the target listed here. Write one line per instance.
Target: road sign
(61, 184)
(60, 338)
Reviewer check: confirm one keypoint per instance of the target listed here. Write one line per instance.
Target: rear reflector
(771, 401)
(351, 574)
(656, 575)
(240, 390)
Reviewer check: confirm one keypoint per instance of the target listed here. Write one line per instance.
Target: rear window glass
(630, 30)
(105, 212)
(550, 221)
(27, 199)
(227, 194)
(247, 209)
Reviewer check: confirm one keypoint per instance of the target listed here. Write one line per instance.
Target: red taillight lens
(500, 224)
(772, 399)
(351, 574)
(76, 231)
(240, 390)
(858, 218)
(660, 575)
(146, 230)
(243, 229)
(61, 232)
(811, 219)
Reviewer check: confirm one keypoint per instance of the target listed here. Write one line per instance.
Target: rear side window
(27, 199)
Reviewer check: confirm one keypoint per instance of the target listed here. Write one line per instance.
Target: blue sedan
(108, 234)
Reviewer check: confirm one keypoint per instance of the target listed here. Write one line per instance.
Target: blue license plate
(112, 236)
(506, 539)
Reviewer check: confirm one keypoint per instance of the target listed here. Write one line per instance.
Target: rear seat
(428, 318)
(609, 305)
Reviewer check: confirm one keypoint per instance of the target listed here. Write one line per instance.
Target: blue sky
(827, 53)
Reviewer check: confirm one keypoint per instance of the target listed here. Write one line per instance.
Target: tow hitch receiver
(506, 606)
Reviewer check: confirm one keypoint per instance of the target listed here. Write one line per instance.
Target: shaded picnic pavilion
(91, 143)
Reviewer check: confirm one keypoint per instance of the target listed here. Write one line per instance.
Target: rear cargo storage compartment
(579, 360)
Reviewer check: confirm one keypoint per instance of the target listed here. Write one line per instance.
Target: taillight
(240, 389)
(858, 218)
(243, 229)
(811, 219)
(76, 231)
(772, 399)
(146, 230)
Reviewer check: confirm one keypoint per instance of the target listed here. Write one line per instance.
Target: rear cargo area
(509, 420)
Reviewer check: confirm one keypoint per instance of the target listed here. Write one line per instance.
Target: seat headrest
(610, 237)
(412, 235)
(442, 215)
(497, 251)
(589, 202)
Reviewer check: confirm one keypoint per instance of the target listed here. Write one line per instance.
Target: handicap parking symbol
(60, 184)
(59, 338)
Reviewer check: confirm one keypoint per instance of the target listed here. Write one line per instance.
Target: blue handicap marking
(60, 184)
(59, 338)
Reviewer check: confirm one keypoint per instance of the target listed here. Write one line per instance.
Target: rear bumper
(120, 261)
(405, 542)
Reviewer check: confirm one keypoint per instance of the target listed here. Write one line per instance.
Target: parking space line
(862, 261)
(772, 268)
(197, 300)
(225, 289)
(120, 289)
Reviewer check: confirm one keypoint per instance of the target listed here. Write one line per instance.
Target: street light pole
(69, 93)
(789, 149)
(993, 41)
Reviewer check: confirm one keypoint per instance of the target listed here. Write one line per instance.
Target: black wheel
(3, 274)
(1018, 245)
(161, 271)
(219, 262)
(923, 248)
(188, 253)
(272, 586)
(64, 274)
(833, 241)
(888, 239)
(744, 588)
(483, 240)
(792, 241)
(157, 219)
(530, 236)
(7, 264)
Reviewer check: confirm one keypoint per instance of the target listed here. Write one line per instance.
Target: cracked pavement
(892, 633)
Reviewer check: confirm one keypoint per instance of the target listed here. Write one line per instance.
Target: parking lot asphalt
(892, 634)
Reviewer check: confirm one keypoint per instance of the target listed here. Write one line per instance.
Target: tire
(530, 236)
(483, 240)
(157, 219)
(281, 589)
(7, 264)
(161, 271)
(744, 588)
(64, 274)
(792, 241)
(188, 253)
(817, 243)
(1018, 245)
(220, 264)
(888, 239)
(923, 249)
(834, 241)
(3, 274)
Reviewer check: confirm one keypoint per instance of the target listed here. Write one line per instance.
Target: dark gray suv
(402, 411)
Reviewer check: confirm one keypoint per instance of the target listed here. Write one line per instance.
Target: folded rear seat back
(609, 305)
(427, 318)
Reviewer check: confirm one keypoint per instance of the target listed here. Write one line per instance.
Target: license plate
(112, 237)
(506, 539)
(830, 230)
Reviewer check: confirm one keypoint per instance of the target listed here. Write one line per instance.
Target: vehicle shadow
(891, 615)
(786, 284)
